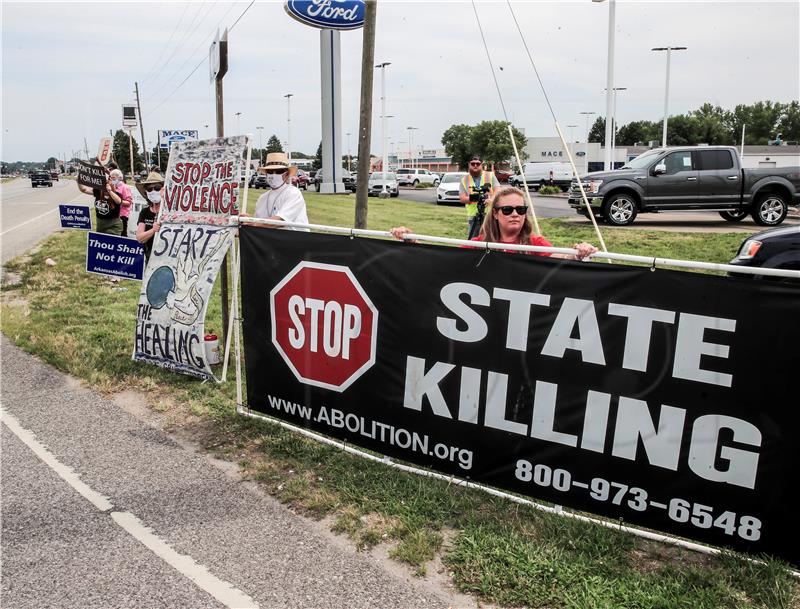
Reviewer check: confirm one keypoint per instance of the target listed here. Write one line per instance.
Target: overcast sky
(67, 67)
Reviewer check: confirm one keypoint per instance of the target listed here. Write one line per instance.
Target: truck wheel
(620, 210)
(770, 209)
(734, 216)
(414, 183)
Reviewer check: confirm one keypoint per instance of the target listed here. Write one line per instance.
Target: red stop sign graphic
(324, 325)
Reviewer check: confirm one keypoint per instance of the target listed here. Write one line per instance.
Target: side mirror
(660, 169)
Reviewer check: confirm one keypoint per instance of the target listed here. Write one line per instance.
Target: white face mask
(154, 196)
(275, 180)
(114, 181)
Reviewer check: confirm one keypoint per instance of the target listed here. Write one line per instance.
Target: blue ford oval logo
(328, 14)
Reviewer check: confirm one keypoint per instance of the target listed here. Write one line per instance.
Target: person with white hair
(107, 205)
(124, 191)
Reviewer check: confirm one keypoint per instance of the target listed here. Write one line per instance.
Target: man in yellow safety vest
(476, 188)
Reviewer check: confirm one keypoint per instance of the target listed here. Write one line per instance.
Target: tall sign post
(331, 18)
(218, 67)
(365, 118)
(141, 126)
(129, 123)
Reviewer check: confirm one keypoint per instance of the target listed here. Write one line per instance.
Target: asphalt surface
(27, 214)
(59, 550)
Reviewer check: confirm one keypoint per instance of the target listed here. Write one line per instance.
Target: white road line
(101, 502)
(221, 590)
(47, 213)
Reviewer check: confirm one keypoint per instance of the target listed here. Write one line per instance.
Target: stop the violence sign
(324, 325)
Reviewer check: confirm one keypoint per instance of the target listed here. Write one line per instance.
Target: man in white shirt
(282, 201)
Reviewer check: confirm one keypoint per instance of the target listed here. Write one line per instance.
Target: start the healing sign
(664, 399)
(202, 178)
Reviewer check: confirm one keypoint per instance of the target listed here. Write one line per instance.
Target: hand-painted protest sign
(177, 286)
(202, 179)
(114, 256)
(104, 150)
(609, 389)
(93, 176)
(75, 216)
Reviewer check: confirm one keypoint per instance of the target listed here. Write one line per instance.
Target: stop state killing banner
(658, 398)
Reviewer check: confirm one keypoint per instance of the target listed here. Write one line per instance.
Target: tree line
(764, 121)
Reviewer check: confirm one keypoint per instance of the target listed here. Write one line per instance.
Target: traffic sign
(324, 325)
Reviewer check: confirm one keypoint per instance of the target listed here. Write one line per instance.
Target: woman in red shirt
(509, 222)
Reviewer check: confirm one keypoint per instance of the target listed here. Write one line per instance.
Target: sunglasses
(152, 188)
(476, 163)
(508, 209)
(275, 171)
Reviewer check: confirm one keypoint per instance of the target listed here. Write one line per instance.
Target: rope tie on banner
(653, 267)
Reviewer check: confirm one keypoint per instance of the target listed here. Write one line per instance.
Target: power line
(189, 29)
(197, 67)
(166, 46)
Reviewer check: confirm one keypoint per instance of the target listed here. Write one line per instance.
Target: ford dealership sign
(328, 14)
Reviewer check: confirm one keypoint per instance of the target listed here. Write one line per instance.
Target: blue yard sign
(75, 216)
(114, 256)
(328, 14)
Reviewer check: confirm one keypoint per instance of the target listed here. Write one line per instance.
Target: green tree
(637, 131)
(598, 131)
(492, 142)
(164, 159)
(51, 162)
(713, 125)
(317, 164)
(683, 130)
(457, 142)
(789, 122)
(274, 144)
(122, 155)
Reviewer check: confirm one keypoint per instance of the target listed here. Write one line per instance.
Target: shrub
(549, 190)
(424, 185)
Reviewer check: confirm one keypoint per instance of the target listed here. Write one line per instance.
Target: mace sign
(324, 325)
(328, 14)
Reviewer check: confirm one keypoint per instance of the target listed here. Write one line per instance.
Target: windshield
(643, 160)
(452, 177)
(380, 176)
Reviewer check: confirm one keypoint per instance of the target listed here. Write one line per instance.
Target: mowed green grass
(504, 553)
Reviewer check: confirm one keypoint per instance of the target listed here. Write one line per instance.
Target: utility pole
(365, 118)
(141, 126)
(288, 97)
(223, 69)
(86, 148)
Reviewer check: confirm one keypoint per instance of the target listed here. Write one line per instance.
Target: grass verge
(503, 553)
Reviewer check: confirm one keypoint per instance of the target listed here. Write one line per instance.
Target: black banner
(660, 398)
(93, 176)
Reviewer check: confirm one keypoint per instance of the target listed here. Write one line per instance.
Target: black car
(41, 178)
(778, 248)
(258, 180)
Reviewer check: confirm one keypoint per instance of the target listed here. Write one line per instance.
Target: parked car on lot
(54, 176)
(407, 175)
(258, 180)
(537, 175)
(447, 192)
(777, 248)
(377, 181)
(503, 174)
(348, 179)
(301, 179)
(692, 178)
(41, 178)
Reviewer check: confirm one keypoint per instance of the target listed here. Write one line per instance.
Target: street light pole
(614, 123)
(586, 156)
(609, 81)
(411, 143)
(571, 139)
(666, 90)
(288, 97)
(384, 156)
(260, 144)
(348, 152)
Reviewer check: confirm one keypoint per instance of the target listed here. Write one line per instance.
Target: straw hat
(276, 160)
(152, 178)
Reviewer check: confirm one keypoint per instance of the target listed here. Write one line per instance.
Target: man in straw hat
(282, 201)
(147, 225)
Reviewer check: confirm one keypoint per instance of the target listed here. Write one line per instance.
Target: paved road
(27, 214)
(101, 509)
(546, 207)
